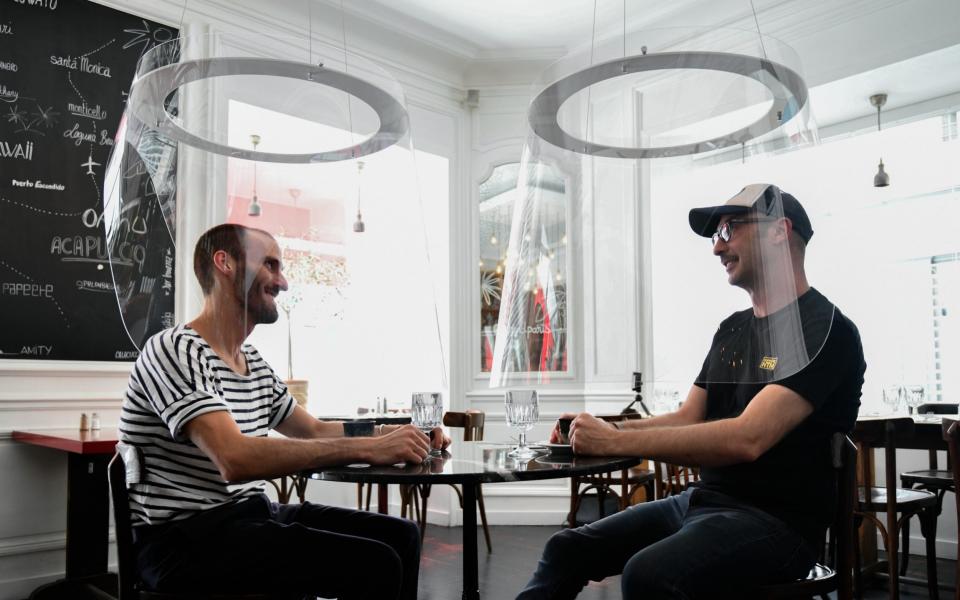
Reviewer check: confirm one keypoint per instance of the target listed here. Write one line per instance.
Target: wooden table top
(100, 441)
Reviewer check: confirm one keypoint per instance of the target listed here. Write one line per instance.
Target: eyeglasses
(725, 231)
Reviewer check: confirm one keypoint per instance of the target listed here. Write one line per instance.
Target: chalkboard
(65, 69)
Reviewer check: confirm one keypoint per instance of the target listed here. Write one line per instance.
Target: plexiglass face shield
(318, 155)
(590, 238)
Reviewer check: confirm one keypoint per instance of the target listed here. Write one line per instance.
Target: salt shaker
(95, 422)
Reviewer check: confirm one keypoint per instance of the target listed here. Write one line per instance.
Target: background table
(88, 508)
(470, 463)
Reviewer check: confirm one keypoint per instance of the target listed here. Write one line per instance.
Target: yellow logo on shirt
(768, 363)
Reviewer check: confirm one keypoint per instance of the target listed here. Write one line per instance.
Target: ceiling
(849, 48)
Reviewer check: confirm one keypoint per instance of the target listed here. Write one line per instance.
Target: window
(544, 290)
(360, 317)
(884, 256)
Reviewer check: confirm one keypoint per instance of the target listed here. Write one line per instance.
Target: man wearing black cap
(780, 378)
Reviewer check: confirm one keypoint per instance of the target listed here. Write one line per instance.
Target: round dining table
(472, 463)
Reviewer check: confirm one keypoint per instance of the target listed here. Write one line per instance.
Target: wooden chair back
(471, 421)
(673, 479)
(951, 434)
(938, 408)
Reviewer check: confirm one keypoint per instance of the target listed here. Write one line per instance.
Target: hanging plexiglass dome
(588, 221)
(323, 142)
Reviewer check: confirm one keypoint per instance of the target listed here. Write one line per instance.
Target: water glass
(426, 413)
(914, 397)
(523, 412)
(891, 396)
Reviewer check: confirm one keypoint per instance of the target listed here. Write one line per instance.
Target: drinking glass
(914, 397)
(426, 413)
(522, 413)
(891, 396)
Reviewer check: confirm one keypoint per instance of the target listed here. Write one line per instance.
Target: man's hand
(555, 433)
(439, 439)
(589, 435)
(404, 444)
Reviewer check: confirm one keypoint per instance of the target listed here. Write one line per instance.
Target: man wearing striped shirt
(199, 405)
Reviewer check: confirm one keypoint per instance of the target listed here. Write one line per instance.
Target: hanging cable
(759, 35)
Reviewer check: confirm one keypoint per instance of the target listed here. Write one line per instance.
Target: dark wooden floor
(516, 550)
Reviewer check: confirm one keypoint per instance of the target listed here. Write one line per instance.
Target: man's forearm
(716, 443)
(265, 458)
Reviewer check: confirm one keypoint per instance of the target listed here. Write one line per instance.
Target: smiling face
(263, 280)
(740, 255)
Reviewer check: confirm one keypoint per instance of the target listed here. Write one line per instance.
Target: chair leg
(574, 502)
(359, 496)
(857, 567)
(928, 527)
(905, 543)
(369, 493)
(483, 518)
(424, 498)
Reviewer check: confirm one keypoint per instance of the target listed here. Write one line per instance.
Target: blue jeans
(686, 546)
(288, 549)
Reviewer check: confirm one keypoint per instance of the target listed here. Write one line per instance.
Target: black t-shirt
(793, 480)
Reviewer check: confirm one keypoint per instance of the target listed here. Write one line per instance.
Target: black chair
(839, 551)
(933, 479)
(415, 497)
(890, 501)
(129, 587)
(951, 434)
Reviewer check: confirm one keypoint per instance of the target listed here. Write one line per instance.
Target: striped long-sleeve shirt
(179, 377)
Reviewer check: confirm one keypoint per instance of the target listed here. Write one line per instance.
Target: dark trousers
(289, 550)
(673, 548)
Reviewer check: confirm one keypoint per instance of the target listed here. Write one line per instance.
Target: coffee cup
(564, 426)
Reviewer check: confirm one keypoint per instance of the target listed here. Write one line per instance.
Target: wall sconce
(882, 178)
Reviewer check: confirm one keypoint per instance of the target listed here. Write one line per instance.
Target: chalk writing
(48, 4)
(37, 184)
(36, 350)
(23, 151)
(90, 112)
(8, 66)
(26, 290)
(167, 284)
(85, 285)
(84, 65)
(6, 29)
(90, 248)
(80, 137)
(126, 354)
(8, 95)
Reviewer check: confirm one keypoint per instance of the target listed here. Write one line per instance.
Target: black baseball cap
(761, 198)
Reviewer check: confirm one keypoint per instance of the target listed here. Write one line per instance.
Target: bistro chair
(605, 485)
(891, 501)
(129, 585)
(671, 480)
(951, 434)
(415, 497)
(933, 479)
(839, 551)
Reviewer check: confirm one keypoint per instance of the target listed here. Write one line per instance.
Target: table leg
(88, 520)
(471, 584)
(88, 514)
(383, 505)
